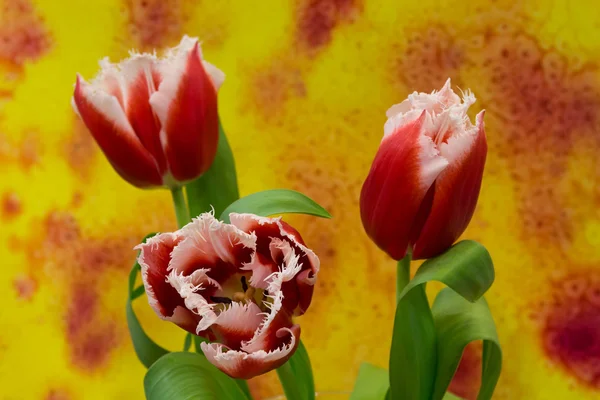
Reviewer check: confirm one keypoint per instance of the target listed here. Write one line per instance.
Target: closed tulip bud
(424, 182)
(155, 119)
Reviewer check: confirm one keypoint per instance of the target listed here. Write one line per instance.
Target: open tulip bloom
(236, 284)
(234, 278)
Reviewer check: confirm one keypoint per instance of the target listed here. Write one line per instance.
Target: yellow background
(308, 83)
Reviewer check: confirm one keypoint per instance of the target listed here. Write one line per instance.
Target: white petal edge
(107, 105)
(244, 220)
(286, 273)
(240, 317)
(206, 235)
(194, 301)
(231, 360)
(434, 103)
(459, 146)
(216, 75)
(154, 241)
(432, 163)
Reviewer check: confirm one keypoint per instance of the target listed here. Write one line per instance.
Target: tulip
(424, 182)
(155, 119)
(237, 285)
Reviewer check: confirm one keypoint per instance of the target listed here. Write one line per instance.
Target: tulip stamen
(247, 295)
(220, 300)
(244, 284)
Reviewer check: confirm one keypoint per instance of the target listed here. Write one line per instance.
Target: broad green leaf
(296, 376)
(218, 187)
(450, 396)
(413, 352)
(466, 267)
(137, 292)
(187, 343)
(243, 385)
(372, 383)
(275, 201)
(240, 382)
(179, 376)
(459, 322)
(146, 350)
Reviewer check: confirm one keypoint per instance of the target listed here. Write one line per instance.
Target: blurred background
(308, 83)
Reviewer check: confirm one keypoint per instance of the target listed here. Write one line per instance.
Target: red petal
(455, 198)
(241, 365)
(144, 80)
(306, 286)
(163, 298)
(211, 244)
(298, 292)
(401, 175)
(267, 338)
(237, 324)
(106, 120)
(186, 104)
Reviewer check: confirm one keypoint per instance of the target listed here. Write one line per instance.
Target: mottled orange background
(308, 83)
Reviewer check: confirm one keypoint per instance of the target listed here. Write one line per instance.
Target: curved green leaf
(217, 187)
(459, 322)
(275, 201)
(413, 352)
(137, 292)
(450, 396)
(186, 376)
(372, 383)
(296, 376)
(243, 385)
(146, 350)
(466, 267)
(187, 343)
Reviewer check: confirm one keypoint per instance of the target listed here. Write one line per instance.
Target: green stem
(243, 385)
(402, 274)
(289, 382)
(181, 209)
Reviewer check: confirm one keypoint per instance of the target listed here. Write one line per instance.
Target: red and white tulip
(238, 285)
(155, 119)
(424, 182)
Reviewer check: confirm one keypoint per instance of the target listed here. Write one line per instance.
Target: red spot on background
(467, 379)
(570, 327)
(80, 149)
(273, 85)
(30, 150)
(11, 205)
(23, 36)
(25, 287)
(536, 112)
(430, 57)
(542, 108)
(90, 338)
(155, 23)
(57, 394)
(26, 152)
(79, 263)
(316, 20)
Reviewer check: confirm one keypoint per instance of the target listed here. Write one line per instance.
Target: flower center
(231, 292)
